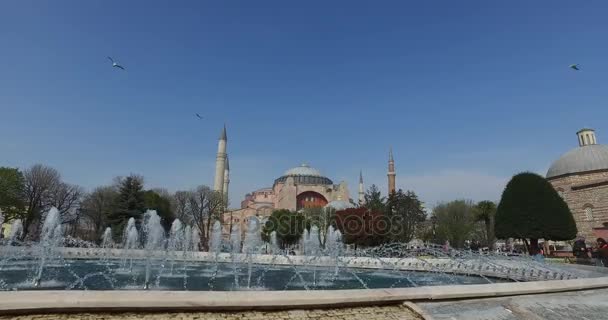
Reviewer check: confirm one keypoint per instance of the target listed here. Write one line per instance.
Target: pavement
(394, 312)
(577, 305)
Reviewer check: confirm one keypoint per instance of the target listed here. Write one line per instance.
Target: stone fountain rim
(51, 301)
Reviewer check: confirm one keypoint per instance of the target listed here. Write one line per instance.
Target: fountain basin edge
(28, 302)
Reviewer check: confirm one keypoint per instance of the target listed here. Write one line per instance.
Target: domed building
(298, 188)
(580, 176)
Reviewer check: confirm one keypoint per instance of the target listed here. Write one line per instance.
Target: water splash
(215, 242)
(106, 239)
(235, 239)
(253, 237)
(16, 231)
(51, 238)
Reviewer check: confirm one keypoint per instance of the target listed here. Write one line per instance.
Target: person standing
(579, 249)
(602, 251)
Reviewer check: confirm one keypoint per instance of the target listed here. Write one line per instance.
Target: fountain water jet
(51, 238)
(215, 242)
(16, 231)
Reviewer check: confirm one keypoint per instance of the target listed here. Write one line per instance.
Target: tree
(128, 204)
(206, 206)
(485, 211)
(11, 193)
(180, 202)
(43, 189)
(97, 207)
(288, 226)
(160, 202)
(362, 227)
(39, 183)
(454, 221)
(374, 200)
(405, 214)
(531, 209)
(66, 198)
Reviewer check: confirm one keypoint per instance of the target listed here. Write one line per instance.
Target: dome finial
(586, 136)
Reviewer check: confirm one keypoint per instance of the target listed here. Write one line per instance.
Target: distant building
(580, 176)
(298, 188)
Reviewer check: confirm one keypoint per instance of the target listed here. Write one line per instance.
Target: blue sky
(466, 92)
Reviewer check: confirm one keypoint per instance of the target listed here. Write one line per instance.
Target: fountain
(253, 237)
(141, 257)
(235, 239)
(154, 238)
(51, 239)
(106, 239)
(16, 231)
(215, 242)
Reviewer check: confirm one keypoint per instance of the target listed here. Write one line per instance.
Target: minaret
(361, 193)
(226, 182)
(391, 172)
(220, 162)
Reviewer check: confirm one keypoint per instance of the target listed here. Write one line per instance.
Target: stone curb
(23, 302)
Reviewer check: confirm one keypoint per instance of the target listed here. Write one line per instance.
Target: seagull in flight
(198, 116)
(574, 67)
(115, 64)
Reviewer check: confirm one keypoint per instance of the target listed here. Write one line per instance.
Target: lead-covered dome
(304, 174)
(589, 156)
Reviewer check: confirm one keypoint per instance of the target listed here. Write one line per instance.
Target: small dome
(339, 205)
(303, 170)
(586, 158)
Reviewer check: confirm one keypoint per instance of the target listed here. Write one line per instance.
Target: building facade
(580, 176)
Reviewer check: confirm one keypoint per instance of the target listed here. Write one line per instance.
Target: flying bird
(199, 116)
(574, 67)
(115, 64)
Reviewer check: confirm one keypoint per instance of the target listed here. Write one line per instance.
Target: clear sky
(466, 92)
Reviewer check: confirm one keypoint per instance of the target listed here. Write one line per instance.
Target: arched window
(589, 212)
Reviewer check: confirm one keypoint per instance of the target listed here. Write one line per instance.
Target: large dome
(586, 158)
(304, 174)
(303, 170)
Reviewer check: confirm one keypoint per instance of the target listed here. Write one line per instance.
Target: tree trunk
(533, 250)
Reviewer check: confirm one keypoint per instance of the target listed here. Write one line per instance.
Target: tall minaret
(226, 182)
(361, 192)
(220, 162)
(391, 172)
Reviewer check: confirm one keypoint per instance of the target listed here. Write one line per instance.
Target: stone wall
(582, 198)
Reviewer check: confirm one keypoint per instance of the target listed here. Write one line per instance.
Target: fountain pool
(155, 259)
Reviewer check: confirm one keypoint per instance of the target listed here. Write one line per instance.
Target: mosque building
(580, 176)
(298, 188)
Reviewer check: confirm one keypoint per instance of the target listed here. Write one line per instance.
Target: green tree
(405, 214)
(374, 200)
(454, 222)
(288, 225)
(129, 204)
(162, 204)
(485, 211)
(531, 209)
(11, 193)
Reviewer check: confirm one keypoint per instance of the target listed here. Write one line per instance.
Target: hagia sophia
(580, 176)
(299, 187)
